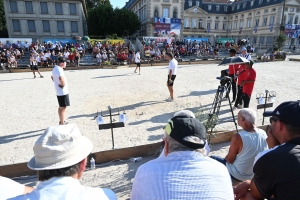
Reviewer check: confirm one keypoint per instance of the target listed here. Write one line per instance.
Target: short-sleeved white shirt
(173, 66)
(56, 73)
(137, 57)
(10, 188)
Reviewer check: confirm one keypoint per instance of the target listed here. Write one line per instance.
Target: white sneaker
(240, 106)
(169, 99)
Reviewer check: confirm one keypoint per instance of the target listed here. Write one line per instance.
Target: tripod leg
(233, 118)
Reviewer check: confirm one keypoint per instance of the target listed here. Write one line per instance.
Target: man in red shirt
(241, 76)
(248, 83)
(232, 70)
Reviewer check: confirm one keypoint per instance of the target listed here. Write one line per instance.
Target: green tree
(103, 20)
(128, 22)
(90, 4)
(2, 18)
(280, 40)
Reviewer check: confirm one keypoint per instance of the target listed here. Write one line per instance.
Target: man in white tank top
(244, 146)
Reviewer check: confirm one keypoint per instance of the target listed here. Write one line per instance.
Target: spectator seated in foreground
(184, 172)
(244, 146)
(60, 158)
(276, 171)
(10, 188)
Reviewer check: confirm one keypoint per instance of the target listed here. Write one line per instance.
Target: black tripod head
(225, 80)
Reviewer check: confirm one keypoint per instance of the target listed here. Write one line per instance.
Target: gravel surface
(29, 105)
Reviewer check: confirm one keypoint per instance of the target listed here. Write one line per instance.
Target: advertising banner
(197, 39)
(63, 41)
(166, 26)
(15, 40)
(224, 40)
(158, 39)
(292, 30)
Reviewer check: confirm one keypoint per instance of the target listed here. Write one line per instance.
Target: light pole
(282, 26)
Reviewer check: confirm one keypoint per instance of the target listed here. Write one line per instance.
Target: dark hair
(170, 55)
(292, 130)
(45, 175)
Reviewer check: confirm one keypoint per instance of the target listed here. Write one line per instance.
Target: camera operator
(232, 70)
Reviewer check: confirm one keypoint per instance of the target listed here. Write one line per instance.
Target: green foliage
(2, 18)
(90, 4)
(114, 37)
(280, 40)
(104, 20)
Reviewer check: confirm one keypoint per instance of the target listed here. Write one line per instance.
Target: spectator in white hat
(60, 158)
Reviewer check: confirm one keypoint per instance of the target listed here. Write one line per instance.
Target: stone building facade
(39, 19)
(147, 10)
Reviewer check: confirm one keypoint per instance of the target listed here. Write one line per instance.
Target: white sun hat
(59, 147)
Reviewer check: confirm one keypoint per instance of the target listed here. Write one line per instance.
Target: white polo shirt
(173, 66)
(56, 73)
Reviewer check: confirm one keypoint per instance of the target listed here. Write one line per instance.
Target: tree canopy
(280, 40)
(90, 4)
(104, 20)
(2, 18)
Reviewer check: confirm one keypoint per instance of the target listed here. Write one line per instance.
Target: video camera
(225, 80)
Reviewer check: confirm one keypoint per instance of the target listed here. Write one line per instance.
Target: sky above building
(118, 3)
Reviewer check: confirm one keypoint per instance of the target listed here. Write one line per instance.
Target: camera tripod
(213, 116)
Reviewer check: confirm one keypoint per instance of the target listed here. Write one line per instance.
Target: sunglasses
(275, 119)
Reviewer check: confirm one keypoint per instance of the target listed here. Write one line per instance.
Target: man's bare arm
(236, 145)
(62, 82)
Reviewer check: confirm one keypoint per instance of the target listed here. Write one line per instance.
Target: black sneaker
(41, 77)
(34, 77)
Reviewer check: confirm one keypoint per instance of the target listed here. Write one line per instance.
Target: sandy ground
(29, 105)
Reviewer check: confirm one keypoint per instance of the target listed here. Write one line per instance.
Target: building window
(244, 5)
(261, 1)
(225, 17)
(58, 8)
(13, 6)
(261, 39)
(16, 25)
(217, 8)
(174, 1)
(292, 9)
(200, 23)
(197, 3)
(224, 26)
(28, 6)
(266, 11)
(46, 25)
(186, 22)
(73, 10)
(166, 0)
(190, 3)
(252, 3)
(256, 22)
(236, 16)
(209, 7)
(234, 25)
(31, 25)
(272, 20)
(230, 26)
(290, 20)
(208, 25)
(241, 24)
(217, 17)
(297, 10)
(156, 12)
(225, 8)
(268, 1)
(217, 25)
(265, 21)
(296, 20)
(175, 13)
(74, 27)
(249, 14)
(248, 23)
(274, 10)
(258, 13)
(60, 26)
(44, 7)
(233, 7)
(238, 7)
(166, 13)
(193, 23)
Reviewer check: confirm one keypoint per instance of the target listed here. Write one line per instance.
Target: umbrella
(86, 38)
(234, 60)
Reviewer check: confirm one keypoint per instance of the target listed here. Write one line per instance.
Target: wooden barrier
(21, 169)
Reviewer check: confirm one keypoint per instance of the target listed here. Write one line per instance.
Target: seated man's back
(253, 143)
(66, 188)
(182, 175)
